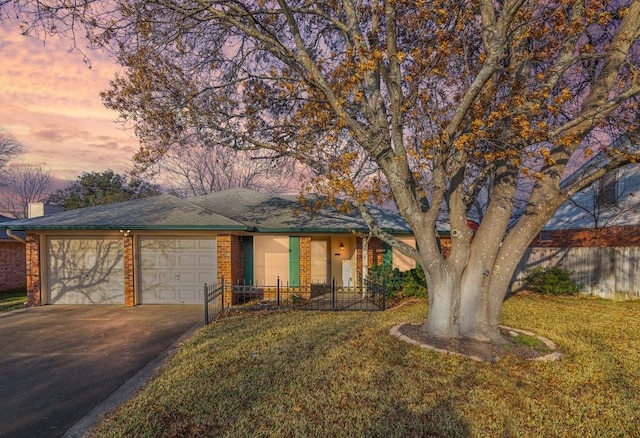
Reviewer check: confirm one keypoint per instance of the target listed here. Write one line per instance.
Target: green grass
(13, 299)
(530, 341)
(300, 374)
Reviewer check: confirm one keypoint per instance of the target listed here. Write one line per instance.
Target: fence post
(384, 295)
(206, 305)
(333, 293)
(223, 292)
(278, 291)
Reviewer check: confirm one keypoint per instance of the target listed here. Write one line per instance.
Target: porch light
(341, 246)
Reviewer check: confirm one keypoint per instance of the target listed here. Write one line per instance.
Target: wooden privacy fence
(605, 272)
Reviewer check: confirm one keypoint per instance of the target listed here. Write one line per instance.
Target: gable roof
(582, 210)
(234, 209)
(164, 212)
(270, 213)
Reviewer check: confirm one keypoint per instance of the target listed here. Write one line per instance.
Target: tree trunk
(460, 306)
(444, 305)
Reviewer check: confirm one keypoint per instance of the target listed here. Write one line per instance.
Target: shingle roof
(235, 209)
(163, 212)
(3, 233)
(269, 213)
(582, 211)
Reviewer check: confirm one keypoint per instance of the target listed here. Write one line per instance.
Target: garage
(174, 270)
(85, 271)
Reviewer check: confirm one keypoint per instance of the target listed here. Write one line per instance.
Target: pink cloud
(49, 100)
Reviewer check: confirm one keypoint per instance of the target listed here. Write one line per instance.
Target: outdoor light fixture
(341, 246)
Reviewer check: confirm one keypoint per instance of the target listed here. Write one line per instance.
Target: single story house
(163, 249)
(12, 260)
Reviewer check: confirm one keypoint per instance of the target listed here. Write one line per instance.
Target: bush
(552, 281)
(415, 283)
(410, 283)
(390, 277)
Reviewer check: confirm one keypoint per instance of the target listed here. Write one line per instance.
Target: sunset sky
(49, 101)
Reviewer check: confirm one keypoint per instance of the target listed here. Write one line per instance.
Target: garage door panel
(85, 271)
(207, 277)
(208, 244)
(175, 270)
(187, 244)
(207, 260)
(189, 294)
(187, 260)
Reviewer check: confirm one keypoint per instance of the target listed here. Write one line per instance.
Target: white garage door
(174, 271)
(85, 271)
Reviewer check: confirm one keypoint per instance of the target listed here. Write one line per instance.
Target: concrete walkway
(58, 363)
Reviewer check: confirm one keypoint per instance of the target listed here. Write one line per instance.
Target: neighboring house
(595, 236)
(12, 260)
(164, 249)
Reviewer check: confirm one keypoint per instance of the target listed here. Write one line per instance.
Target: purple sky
(49, 101)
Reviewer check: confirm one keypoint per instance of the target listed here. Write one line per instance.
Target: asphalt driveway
(57, 363)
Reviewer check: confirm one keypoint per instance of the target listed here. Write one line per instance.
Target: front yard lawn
(14, 299)
(323, 374)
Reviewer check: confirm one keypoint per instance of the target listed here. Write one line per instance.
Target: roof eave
(130, 227)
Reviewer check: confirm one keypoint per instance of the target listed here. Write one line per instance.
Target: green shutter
(387, 255)
(247, 249)
(294, 261)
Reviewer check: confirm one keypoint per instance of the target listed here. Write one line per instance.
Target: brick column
(230, 262)
(359, 260)
(445, 246)
(129, 280)
(34, 282)
(375, 252)
(305, 260)
(237, 258)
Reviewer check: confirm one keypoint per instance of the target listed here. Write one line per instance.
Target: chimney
(37, 209)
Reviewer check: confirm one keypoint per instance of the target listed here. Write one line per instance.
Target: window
(546, 235)
(607, 191)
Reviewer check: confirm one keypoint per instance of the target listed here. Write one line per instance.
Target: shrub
(410, 283)
(552, 281)
(390, 277)
(415, 283)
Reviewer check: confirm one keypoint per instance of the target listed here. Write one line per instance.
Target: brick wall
(13, 265)
(375, 255)
(230, 261)
(305, 260)
(129, 278)
(445, 246)
(237, 258)
(599, 237)
(34, 283)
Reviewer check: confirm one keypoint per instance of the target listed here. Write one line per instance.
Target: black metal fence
(367, 297)
(213, 301)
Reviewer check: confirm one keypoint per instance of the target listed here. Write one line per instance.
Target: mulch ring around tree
(521, 344)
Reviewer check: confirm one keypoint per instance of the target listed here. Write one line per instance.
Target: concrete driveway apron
(58, 362)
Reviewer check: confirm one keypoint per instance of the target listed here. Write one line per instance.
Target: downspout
(14, 237)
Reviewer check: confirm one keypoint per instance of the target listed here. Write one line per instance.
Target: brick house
(162, 250)
(595, 236)
(12, 260)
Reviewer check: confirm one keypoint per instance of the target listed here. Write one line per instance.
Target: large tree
(436, 104)
(194, 170)
(100, 188)
(23, 184)
(9, 148)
